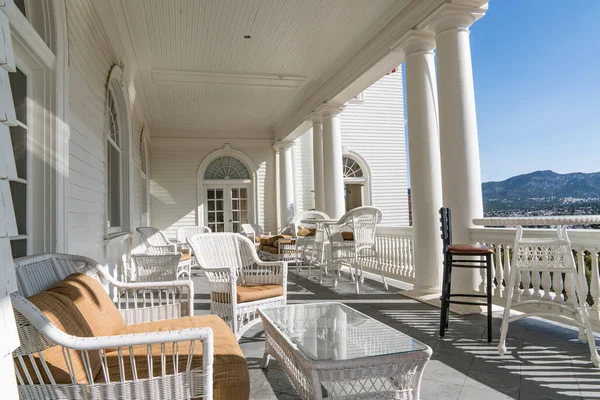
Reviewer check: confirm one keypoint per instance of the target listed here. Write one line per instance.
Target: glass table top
(334, 331)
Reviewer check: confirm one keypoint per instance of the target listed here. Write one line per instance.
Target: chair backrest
(39, 272)
(363, 222)
(296, 222)
(219, 250)
(155, 267)
(446, 227)
(252, 230)
(185, 231)
(153, 236)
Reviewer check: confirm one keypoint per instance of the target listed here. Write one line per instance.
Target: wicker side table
(331, 351)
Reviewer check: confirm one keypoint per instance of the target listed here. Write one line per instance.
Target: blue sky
(536, 67)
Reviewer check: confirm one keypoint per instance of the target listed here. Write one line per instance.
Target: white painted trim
(276, 81)
(225, 151)
(63, 130)
(145, 176)
(191, 144)
(24, 32)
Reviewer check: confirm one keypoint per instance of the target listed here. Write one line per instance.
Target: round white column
(424, 155)
(461, 171)
(286, 183)
(335, 206)
(319, 186)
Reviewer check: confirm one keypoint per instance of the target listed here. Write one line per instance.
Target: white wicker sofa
(76, 344)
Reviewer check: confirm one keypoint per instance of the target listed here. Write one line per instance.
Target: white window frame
(365, 180)
(145, 180)
(117, 90)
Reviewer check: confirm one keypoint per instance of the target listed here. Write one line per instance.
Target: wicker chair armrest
(170, 248)
(266, 272)
(154, 285)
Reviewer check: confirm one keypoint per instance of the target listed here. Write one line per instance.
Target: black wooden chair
(468, 256)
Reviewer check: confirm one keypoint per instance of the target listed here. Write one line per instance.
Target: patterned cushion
(230, 370)
(65, 316)
(247, 293)
(92, 301)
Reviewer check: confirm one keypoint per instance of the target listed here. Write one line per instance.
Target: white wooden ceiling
(198, 70)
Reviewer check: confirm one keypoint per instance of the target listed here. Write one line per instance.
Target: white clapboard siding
(375, 129)
(91, 57)
(174, 182)
(8, 281)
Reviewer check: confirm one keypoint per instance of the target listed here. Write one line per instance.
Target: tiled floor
(544, 360)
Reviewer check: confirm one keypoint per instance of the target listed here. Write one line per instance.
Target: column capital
(416, 41)
(459, 14)
(330, 109)
(316, 118)
(282, 146)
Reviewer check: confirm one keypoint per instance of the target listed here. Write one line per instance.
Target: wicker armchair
(137, 303)
(185, 231)
(157, 267)
(305, 243)
(157, 243)
(253, 232)
(239, 281)
(352, 240)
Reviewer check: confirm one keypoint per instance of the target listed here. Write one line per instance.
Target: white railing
(586, 246)
(395, 250)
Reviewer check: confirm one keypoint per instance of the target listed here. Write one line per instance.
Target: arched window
(226, 167)
(351, 168)
(118, 157)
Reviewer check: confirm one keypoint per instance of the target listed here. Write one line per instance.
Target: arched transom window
(226, 167)
(351, 168)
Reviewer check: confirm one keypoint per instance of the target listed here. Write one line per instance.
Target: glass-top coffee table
(330, 350)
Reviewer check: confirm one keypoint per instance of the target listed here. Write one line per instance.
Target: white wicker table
(330, 350)
(533, 256)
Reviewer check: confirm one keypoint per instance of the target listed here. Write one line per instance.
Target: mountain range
(542, 188)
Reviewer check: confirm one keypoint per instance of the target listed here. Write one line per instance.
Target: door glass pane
(243, 193)
(19, 197)
(219, 193)
(18, 137)
(236, 227)
(18, 87)
(18, 247)
(234, 193)
(211, 205)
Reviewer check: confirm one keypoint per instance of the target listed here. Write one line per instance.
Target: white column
(335, 205)
(319, 186)
(461, 172)
(286, 183)
(424, 155)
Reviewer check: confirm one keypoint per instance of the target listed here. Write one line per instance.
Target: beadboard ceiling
(199, 72)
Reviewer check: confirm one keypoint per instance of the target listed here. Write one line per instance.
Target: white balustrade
(586, 245)
(395, 251)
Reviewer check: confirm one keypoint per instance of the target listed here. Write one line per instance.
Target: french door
(227, 207)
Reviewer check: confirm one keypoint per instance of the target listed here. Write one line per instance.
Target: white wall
(375, 129)
(174, 186)
(91, 57)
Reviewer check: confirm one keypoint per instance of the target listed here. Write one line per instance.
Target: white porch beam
(319, 182)
(424, 155)
(286, 182)
(461, 172)
(335, 205)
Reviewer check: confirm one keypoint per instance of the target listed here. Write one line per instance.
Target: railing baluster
(595, 281)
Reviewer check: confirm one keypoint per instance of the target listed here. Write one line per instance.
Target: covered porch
(218, 114)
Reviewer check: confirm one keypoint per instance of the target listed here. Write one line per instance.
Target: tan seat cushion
(65, 316)
(269, 249)
(247, 293)
(185, 257)
(306, 232)
(470, 249)
(230, 370)
(264, 240)
(347, 235)
(92, 301)
(256, 239)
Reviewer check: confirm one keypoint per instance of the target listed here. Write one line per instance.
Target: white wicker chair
(304, 243)
(229, 261)
(362, 223)
(157, 267)
(185, 231)
(252, 231)
(138, 302)
(157, 243)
